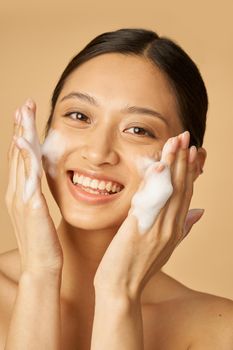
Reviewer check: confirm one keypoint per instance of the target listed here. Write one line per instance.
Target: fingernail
(198, 212)
(185, 137)
(192, 153)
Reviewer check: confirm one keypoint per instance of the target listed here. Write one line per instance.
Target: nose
(99, 150)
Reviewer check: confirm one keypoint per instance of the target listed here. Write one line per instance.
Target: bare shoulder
(199, 320)
(211, 321)
(183, 318)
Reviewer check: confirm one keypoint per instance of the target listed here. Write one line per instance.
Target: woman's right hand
(39, 247)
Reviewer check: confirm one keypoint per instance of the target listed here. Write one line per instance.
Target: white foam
(29, 131)
(30, 142)
(154, 192)
(52, 149)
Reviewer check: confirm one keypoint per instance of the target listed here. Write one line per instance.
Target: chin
(90, 221)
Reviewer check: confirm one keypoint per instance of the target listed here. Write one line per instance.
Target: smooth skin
(77, 262)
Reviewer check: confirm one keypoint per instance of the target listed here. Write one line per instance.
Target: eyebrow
(128, 109)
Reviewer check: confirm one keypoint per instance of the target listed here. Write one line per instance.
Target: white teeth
(75, 179)
(95, 192)
(86, 182)
(108, 186)
(101, 185)
(80, 179)
(95, 184)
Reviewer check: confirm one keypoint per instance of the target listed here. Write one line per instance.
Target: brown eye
(77, 116)
(141, 131)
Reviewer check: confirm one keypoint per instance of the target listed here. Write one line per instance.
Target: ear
(201, 157)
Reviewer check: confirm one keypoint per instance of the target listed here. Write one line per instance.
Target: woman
(130, 102)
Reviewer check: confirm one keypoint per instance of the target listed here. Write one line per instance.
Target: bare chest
(161, 330)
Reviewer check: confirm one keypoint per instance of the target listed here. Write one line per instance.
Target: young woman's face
(102, 130)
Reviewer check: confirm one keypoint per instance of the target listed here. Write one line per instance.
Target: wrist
(116, 300)
(123, 294)
(45, 278)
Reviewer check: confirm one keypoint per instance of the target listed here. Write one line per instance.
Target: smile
(92, 190)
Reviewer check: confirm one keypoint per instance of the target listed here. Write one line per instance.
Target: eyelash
(149, 134)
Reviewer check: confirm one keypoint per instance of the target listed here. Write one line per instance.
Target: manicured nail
(192, 153)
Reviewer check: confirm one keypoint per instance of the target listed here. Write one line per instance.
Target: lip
(87, 197)
(94, 175)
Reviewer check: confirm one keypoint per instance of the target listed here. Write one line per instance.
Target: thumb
(192, 217)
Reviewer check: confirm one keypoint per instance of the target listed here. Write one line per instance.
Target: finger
(25, 152)
(29, 126)
(13, 159)
(193, 216)
(178, 175)
(15, 127)
(180, 164)
(31, 105)
(191, 171)
(28, 179)
(169, 150)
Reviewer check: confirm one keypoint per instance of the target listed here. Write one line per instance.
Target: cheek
(139, 163)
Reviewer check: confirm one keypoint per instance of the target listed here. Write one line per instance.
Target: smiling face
(112, 109)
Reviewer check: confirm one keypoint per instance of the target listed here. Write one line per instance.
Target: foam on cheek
(152, 195)
(53, 148)
(143, 163)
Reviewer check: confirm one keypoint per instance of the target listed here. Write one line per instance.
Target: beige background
(37, 40)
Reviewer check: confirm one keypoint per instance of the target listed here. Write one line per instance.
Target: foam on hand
(154, 192)
(31, 143)
(52, 149)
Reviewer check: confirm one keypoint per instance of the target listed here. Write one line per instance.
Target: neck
(82, 251)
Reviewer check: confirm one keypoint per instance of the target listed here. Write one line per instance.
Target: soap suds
(31, 144)
(52, 149)
(156, 190)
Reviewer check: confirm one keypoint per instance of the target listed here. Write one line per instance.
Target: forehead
(116, 80)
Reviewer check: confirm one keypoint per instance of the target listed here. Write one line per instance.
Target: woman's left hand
(132, 258)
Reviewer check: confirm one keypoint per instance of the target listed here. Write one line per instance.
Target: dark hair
(174, 62)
